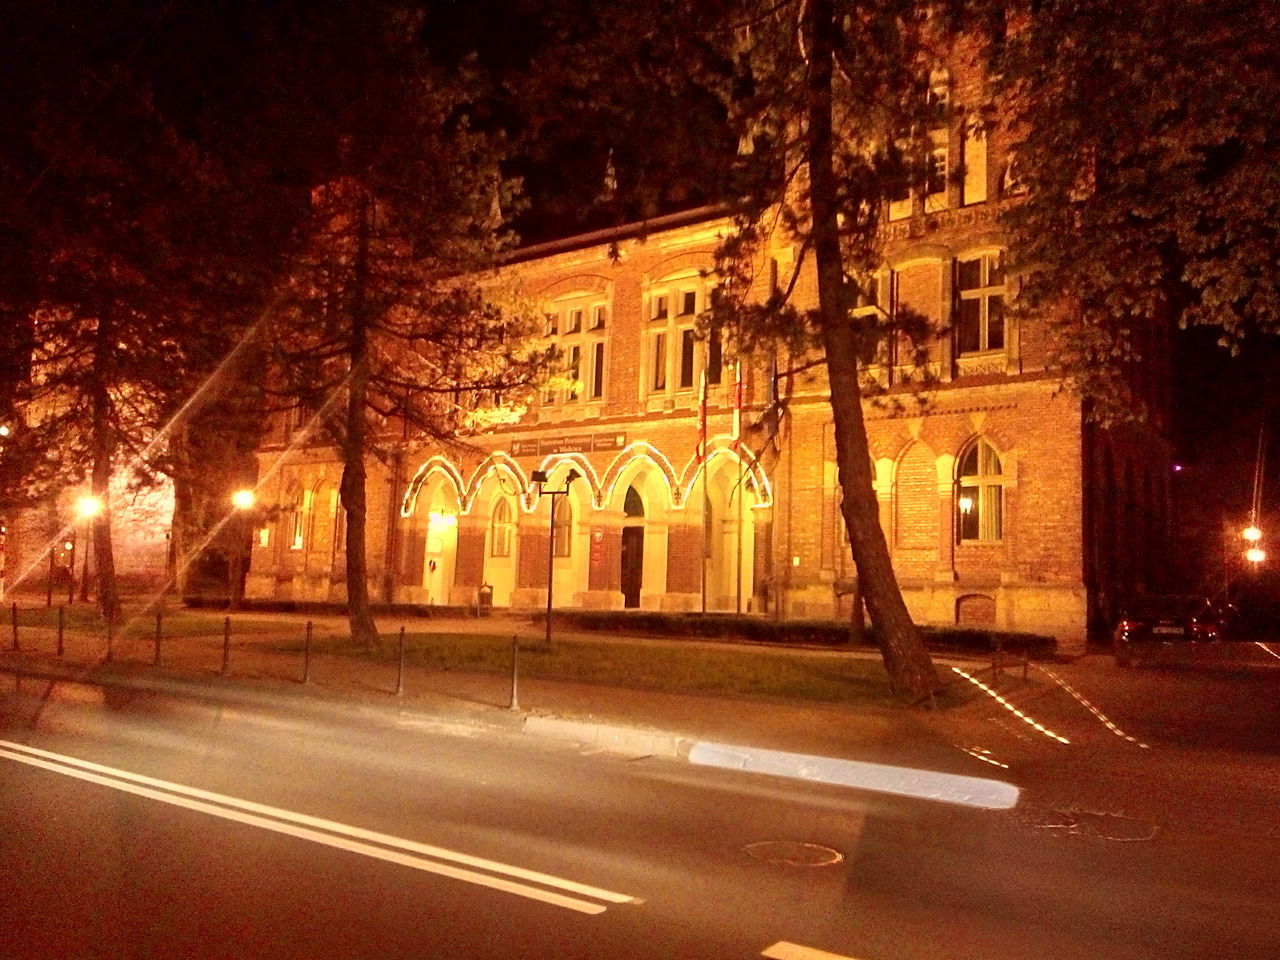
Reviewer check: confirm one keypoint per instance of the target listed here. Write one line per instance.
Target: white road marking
(782, 950)
(328, 832)
(882, 777)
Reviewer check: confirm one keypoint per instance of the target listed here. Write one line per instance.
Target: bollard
(306, 655)
(155, 661)
(515, 674)
(111, 637)
(226, 645)
(61, 623)
(400, 676)
(13, 617)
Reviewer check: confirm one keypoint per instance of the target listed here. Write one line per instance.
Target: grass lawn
(136, 621)
(674, 668)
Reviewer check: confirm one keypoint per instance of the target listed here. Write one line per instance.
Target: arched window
(980, 494)
(500, 529)
(298, 517)
(561, 527)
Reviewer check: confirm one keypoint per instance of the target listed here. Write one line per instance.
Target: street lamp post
(540, 477)
(88, 507)
(243, 502)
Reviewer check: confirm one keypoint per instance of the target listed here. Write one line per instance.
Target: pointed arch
(502, 467)
(435, 465)
(632, 457)
(757, 481)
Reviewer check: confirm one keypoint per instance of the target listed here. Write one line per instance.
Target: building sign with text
(577, 443)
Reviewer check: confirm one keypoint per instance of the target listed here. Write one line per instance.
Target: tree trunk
(363, 629)
(103, 452)
(911, 673)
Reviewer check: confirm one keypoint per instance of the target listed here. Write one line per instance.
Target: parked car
(1168, 619)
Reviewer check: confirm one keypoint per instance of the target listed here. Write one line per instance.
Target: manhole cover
(793, 853)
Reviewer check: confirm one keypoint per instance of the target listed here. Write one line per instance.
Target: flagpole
(737, 447)
(702, 466)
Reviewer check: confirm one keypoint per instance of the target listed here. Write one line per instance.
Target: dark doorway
(632, 565)
(632, 548)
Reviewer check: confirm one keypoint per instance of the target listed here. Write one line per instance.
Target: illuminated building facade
(1000, 504)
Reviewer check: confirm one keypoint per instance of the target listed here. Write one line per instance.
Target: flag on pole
(737, 404)
(702, 418)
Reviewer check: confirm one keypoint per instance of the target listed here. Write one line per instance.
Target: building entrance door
(632, 565)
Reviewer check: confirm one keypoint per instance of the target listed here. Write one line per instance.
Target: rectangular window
(969, 330)
(974, 158)
(599, 316)
(574, 322)
(979, 310)
(660, 307)
(575, 370)
(597, 370)
(715, 356)
(688, 303)
(659, 381)
(553, 324)
(688, 343)
(935, 184)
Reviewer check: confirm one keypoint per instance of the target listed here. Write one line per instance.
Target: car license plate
(1162, 629)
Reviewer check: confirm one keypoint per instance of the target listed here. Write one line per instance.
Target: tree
(830, 100)
(381, 323)
(1150, 160)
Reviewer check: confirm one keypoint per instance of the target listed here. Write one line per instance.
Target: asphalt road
(232, 829)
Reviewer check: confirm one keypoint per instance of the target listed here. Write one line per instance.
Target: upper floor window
(979, 321)
(674, 354)
(980, 494)
(578, 324)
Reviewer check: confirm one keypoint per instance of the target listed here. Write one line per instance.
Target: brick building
(1000, 503)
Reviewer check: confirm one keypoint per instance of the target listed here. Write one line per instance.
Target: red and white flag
(737, 404)
(702, 419)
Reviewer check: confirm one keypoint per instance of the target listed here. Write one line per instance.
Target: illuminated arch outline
(724, 447)
(498, 462)
(436, 464)
(640, 451)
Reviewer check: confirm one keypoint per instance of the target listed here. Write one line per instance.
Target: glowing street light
(243, 501)
(1251, 533)
(1255, 555)
(88, 507)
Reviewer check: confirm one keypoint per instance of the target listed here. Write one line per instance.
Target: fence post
(400, 675)
(61, 623)
(226, 645)
(306, 655)
(515, 674)
(13, 617)
(155, 662)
